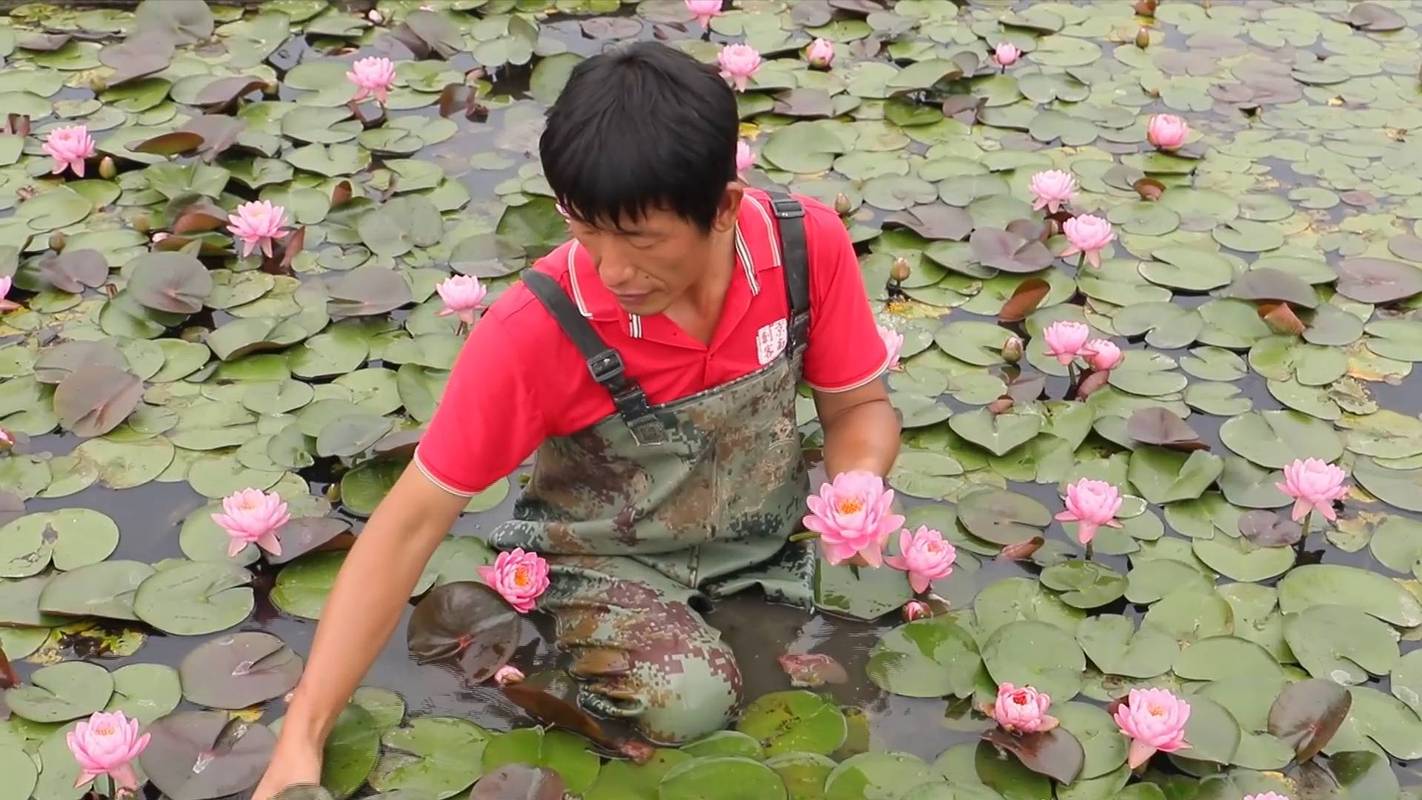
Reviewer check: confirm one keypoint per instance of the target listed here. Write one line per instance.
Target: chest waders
(656, 505)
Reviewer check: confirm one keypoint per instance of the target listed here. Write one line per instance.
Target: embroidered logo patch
(770, 341)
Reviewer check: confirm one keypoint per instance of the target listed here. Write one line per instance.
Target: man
(652, 363)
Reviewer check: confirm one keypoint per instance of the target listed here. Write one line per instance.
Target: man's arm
(364, 608)
(861, 429)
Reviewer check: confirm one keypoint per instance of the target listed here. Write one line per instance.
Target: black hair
(641, 127)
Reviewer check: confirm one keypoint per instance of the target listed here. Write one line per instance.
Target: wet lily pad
(1036, 654)
(61, 692)
(239, 670)
(926, 658)
(194, 598)
(198, 755)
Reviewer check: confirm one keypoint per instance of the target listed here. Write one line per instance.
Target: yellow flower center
(521, 578)
(102, 730)
(849, 505)
(1155, 710)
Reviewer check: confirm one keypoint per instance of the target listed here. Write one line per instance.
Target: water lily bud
(270, 88)
(1001, 405)
(916, 609)
(901, 270)
(374, 16)
(1012, 350)
(108, 169)
(842, 205)
(96, 84)
(56, 241)
(1142, 38)
(1145, 8)
(142, 223)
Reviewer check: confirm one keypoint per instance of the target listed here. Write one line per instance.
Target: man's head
(640, 149)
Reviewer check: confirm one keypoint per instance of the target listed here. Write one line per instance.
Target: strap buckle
(632, 406)
(606, 367)
(787, 207)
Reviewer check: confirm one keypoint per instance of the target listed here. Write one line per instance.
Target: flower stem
(1088, 551)
(1303, 537)
(1081, 260)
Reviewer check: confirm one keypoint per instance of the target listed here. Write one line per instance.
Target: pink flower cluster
(1065, 340)
(852, 516)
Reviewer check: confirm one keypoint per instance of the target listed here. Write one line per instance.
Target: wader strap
(796, 260)
(604, 363)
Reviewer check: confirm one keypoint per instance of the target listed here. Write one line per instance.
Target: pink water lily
(1167, 131)
(519, 577)
(820, 54)
(1052, 189)
(6, 305)
(925, 556)
(893, 343)
(738, 63)
(257, 224)
(1090, 504)
(7, 440)
(1154, 720)
(1087, 234)
(704, 10)
(1314, 485)
(745, 157)
(251, 516)
(1064, 339)
(106, 744)
(852, 515)
(1006, 54)
(1102, 354)
(69, 146)
(462, 295)
(373, 76)
(1265, 796)
(1022, 709)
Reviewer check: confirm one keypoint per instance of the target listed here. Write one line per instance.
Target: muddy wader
(654, 506)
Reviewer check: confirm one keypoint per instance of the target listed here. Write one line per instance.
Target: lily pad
(198, 755)
(239, 670)
(1036, 654)
(925, 658)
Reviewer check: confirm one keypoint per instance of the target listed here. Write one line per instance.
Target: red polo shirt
(519, 379)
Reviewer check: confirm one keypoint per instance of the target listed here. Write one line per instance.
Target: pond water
(1263, 280)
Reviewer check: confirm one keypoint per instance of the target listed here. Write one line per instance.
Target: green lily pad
(1002, 517)
(1036, 654)
(925, 658)
(794, 721)
(436, 757)
(1115, 646)
(62, 692)
(721, 778)
(70, 538)
(1085, 584)
(876, 776)
(1335, 584)
(1340, 643)
(194, 597)
(559, 751)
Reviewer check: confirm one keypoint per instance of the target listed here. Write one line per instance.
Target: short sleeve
(845, 350)
(487, 422)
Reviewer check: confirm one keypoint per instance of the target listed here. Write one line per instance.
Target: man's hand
(292, 763)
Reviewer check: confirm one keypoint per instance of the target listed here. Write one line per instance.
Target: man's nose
(614, 271)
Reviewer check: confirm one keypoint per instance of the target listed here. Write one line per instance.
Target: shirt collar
(756, 246)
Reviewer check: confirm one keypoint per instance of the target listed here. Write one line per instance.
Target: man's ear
(729, 209)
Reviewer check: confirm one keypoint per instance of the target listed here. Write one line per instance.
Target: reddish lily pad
(1307, 714)
(199, 755)
(468, 620)
(239, 670)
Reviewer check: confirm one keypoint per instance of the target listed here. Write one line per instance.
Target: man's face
(649, 262)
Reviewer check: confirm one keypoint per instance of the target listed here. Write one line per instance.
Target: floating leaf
(925, 658)
(1377, 280)
(198, 755)
(194, 598)
(1158, 425)
(1008, 251)
(468, 620)
(239, 670)
(93, 400)
(61, 692)
(1003, 517)
(1306, 714)
(1055, 753)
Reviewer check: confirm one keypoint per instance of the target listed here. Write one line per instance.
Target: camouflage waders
(656, 505)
